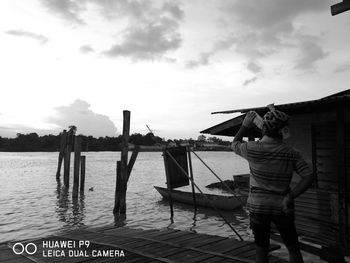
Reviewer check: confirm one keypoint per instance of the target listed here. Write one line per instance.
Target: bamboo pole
(61, 154)
(77, 153)
(82, 173)
(191, 177)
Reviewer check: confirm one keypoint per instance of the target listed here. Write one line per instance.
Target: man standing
(271, 164)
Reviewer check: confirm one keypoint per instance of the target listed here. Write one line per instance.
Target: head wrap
(275, 120)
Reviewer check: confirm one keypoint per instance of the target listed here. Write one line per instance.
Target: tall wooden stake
(117, 189)
(121, 198)
(77, 153)
(61, 153)
(120, 188)
(82, 173)
(70, 137)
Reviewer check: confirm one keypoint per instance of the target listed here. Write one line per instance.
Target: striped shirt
(271, 167)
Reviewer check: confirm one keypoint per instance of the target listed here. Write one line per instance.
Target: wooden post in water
(120, 188)
(117, 189)
(77, 153)
(82, 173)
(121, 196)
(165, 156)
(132, 160)
(61, 154)
(70, 139)
(67, 157)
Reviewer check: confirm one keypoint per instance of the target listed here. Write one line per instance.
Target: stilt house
(320, 130)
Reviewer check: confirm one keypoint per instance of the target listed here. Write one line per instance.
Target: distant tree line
(33, 142)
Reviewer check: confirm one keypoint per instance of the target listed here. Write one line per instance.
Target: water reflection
(71, 212)
(206, 219)
(194, 223)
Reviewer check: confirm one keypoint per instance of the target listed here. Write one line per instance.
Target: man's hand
(249, 118)
(287, 204)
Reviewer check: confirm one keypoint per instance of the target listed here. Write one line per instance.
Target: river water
(33, 204)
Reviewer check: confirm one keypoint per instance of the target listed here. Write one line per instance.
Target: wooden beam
(132, 160)
(340, 7)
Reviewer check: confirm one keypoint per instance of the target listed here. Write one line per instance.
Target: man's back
(271, 164)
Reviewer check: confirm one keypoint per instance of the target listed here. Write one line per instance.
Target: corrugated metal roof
(341, 96)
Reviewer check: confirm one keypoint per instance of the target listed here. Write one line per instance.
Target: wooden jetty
(137, 245)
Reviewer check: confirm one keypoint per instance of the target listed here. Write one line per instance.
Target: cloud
(148, 41)
(21, 33)
(272, 15)
(120, 8)
(86, 49)
(342, 68)
(152, 26)
(258, 30)
(310, 53)
(87, 122)
(203, 60)
(67, 9)
(250, 81)
(254, 67)
(151, 35)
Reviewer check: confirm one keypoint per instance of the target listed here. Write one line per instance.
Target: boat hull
(219, 201)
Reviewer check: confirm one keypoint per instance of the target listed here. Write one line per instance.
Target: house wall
(304, 129)
(300, 139)
(300, 130)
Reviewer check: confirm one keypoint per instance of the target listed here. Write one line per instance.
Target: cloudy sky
(171, 63)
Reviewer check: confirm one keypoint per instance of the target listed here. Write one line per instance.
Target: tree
(202, 138)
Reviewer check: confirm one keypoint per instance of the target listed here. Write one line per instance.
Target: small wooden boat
(221, 202)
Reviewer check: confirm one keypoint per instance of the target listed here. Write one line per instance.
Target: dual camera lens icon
(29, 248)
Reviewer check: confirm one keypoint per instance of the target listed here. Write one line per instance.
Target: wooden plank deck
(134, 245)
